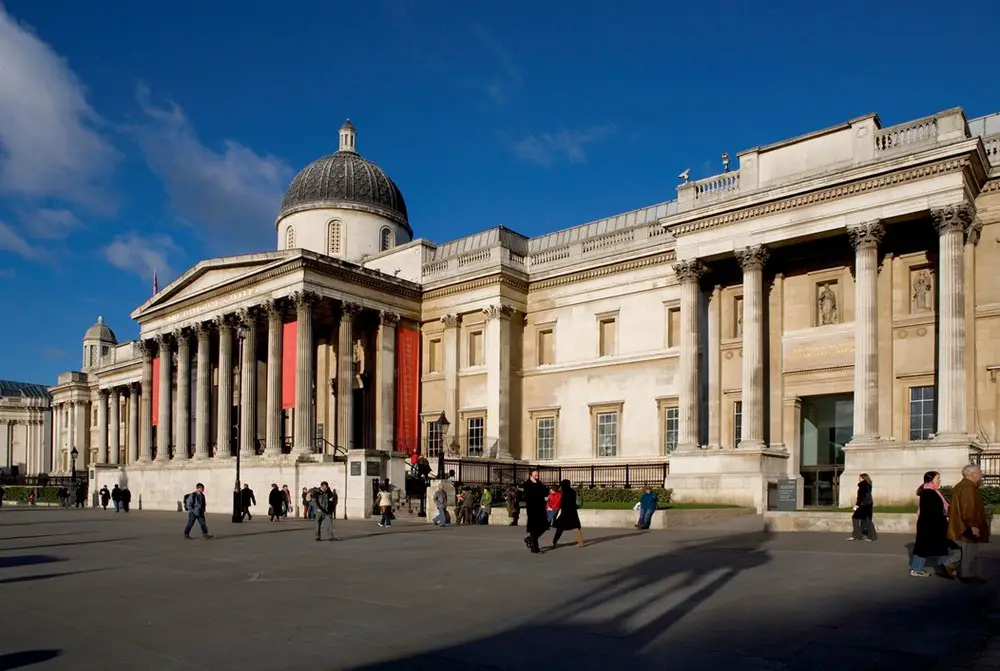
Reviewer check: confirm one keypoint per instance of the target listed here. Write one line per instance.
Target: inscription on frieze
(212, 305)
(812, 354)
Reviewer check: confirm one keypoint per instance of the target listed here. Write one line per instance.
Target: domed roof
(346, 179)
(100, 331)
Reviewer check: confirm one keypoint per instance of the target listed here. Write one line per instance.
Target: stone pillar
(182, 426)
(146, 414)
(688, 274)
(714, 368)
(385, 383)
(115, 441)
(497, 379)
(133, 424)
(345, 376)
(203, 394)
(275, 334)
(952, 224)
(752, 261)
(164, 417)
(865, 239)
(305, 428)
(450, 351)
(248, 383)
(102, 426)
(224, 418)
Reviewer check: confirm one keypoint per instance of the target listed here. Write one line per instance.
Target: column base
(687, 447)
(751, 444)
(201, 456)
(143, 460)
(951, 437)
(862, 439)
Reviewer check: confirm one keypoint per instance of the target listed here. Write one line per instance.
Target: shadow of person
(17, 660)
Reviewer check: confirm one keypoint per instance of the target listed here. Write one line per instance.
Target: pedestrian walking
(569, 518)
(322, 501)
(81, 495)
(116, 497)
(287, 507)
(126, 498)
(932, 529)
(647, 506)
(275, 502)
(485, 506)
(864, 506)
(513, 507)
(385, 505)
(196, 506)
(441, 502)
(968, 525)
(534, 505)
(247, 499)
(105, 497)
(308, 508)
(552, 504)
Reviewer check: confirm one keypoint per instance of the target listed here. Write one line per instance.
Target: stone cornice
(991, 186)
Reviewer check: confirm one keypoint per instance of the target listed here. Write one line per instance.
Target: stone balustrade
(907, 136)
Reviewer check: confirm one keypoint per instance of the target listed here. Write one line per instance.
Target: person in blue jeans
(647, 506)
(194, 503)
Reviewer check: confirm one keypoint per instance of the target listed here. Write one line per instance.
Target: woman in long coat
(932, 527)
(568, 518)
(534, 505)
(864, 528)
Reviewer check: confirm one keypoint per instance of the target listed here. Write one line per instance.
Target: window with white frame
(385, 239)
(334, 238)
(921, 412)
(607, 432)
(474, 436)
(545, 438)
(290, 238)
(671, 424)
(737, 422)
(435, 439)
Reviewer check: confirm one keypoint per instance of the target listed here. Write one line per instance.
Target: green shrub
(991, 495)
(42, 495)
(621, 495)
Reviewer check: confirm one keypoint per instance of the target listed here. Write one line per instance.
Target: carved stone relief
(826, 305)
(738, 317)
(921, 290)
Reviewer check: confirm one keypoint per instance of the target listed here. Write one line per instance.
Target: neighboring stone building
(25, 428)
(830, 305)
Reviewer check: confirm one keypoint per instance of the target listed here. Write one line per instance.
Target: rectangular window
(607, 434)
(608, 331)
(476, 348)
(435, 356)
(674, 327)
(546, 347)
(545, 438)
(921, 412)
(671, 422)
(737, 422)
(474, 436)
(435, 439)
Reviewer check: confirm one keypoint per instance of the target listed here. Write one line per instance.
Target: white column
(865, 238)
(714, 368)
(248, 383)
(345, 376)
(305, 428)
(146, 414)
(752, 261)
(450, 357)
(133, 424)
(688, 274)
(203, 394)
(385, 383)
(223, 422)
(182, 430)
(164, 414)
(102, 426)
(497, 379)
(275, 335)
(952, 224)
(115, 442)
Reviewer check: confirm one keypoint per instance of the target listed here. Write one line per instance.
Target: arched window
(334, 241)
(290, 238)
(385, 239)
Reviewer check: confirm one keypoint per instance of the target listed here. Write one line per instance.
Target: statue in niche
(359, 364)
(827, 303)
(922, 291)
(739, 319)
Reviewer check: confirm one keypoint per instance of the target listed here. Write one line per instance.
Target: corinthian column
(275, 334)
(115, 441)
(688, 274)
(865, 238)
(164, 415)
(385, 386)
(498, 379)
(304, 374)
(248, 383)
(182, 430)
(133, 424)
(449, 345)
(752, 261)
(146, 414)
(345, 376)
(202, 394)
(102, 426)
(952, 224)
(224, 416)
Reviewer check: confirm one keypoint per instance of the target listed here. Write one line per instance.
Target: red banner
(289, 340)
(407, 390)
(156, 391)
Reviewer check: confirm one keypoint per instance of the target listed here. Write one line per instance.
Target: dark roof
(11, 389)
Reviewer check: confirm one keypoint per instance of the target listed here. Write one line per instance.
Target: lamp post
(442, 424)
(74, 454)
(241, 333)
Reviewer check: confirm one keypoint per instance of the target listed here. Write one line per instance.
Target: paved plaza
(94, 590)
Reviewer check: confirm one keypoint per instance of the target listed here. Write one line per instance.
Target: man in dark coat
(967, 523)
(116, 498)
(247, 499)
(323, 498)
(534, 505)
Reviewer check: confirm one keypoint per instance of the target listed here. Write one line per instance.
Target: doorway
(827, 425)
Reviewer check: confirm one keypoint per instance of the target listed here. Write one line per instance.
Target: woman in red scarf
(932, 527)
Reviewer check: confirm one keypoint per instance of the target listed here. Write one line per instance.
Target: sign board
(374, 468)
(788, 494)
(355, 468)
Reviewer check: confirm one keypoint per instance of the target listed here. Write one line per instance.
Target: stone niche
(920, 293)
(826, 303)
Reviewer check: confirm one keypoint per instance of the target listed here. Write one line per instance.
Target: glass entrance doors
(827, 425)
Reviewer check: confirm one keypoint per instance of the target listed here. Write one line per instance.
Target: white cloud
(49, 143)
(234, 193)
(569, 145)
(506, 80)
(11, 241)
(134, 253)
(50, 224)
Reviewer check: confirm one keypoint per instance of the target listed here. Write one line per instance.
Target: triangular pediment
(211, 276)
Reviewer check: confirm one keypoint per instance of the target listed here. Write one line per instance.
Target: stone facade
(25, 428)
(827, 308)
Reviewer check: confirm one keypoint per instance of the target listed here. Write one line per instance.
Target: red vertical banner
(156, 391)
(407, 390)
(289, 340)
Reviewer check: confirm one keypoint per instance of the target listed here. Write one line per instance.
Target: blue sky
(136, 136)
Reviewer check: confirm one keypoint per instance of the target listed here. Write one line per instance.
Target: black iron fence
(486, 472)
(40, 480)
(989, 462)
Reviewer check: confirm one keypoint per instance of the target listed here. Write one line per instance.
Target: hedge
(622, 495)
(42, 494)
(991, 495)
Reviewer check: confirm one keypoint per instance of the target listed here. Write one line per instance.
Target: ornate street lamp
(241, 333)
(74, 454)
(442, 424)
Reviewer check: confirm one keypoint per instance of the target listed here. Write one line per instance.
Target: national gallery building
(827, 306)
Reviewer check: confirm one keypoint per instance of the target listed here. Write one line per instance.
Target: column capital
(349, 310)
(104, 393)
(451, 321)
(145, 348)
(689, 271)
(498, 311)
(752, 258)
(181, 335)
(223, 322)
(952, 218)
(201, 329)
(247, 315)
(272, 307)
(866, 235)
(303, 299)
(386, 318)
(163, 340)
(974, 231)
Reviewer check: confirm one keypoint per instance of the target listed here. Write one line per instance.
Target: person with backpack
(194, 504)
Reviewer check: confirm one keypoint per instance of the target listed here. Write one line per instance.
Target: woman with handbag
(568, 518)
(864, 528)
(932, 529)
